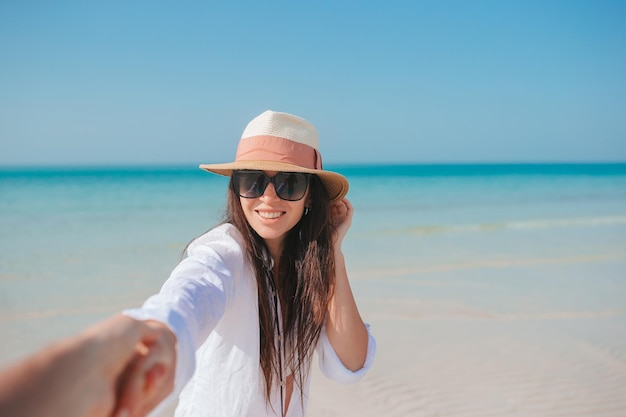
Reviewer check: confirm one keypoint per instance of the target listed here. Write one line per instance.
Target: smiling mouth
(270, 214)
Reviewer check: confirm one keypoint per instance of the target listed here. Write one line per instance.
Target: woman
(255, 296)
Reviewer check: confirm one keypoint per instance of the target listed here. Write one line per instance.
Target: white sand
(542, 338)
(450, 357)
(482, 368)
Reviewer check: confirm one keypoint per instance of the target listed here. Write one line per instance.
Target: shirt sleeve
(194, 298)
(332, 367)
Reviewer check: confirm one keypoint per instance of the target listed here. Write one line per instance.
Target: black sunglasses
(290, 186)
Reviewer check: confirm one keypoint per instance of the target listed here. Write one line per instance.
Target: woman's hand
(341, 217)
(149, 378)
(344, 327)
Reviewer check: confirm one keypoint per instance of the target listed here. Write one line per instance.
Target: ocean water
(77, 244)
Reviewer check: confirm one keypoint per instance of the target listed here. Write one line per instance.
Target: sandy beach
(450, 353)
(448, 357)
(444, 356)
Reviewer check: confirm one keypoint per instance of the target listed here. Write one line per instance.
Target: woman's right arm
(190, 304)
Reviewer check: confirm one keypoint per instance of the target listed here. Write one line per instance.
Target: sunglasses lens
(251, 184)
(290, 186)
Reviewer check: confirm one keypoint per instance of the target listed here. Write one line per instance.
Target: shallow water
(79, 244)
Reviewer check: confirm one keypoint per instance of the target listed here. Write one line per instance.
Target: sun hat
(275, 141)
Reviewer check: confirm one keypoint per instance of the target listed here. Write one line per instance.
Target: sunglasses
(290, 186)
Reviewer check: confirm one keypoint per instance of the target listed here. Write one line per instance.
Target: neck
(275, 247)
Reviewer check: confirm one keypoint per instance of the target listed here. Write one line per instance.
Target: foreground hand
(341, 217)
(149, 377)
(77, 377)
(122, 346)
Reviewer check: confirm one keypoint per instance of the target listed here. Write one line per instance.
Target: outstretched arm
(344, 326)
(78, 377)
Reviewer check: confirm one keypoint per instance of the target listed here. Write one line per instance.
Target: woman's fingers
(149, 378)
(341, 213)
(341, 209)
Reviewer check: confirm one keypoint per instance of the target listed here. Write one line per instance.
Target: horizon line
(173, 165)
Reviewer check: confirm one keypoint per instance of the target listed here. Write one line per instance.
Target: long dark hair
(306, 278)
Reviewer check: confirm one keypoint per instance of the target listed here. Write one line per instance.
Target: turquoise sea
(77, 244)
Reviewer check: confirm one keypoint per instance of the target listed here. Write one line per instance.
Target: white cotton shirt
(210, 303)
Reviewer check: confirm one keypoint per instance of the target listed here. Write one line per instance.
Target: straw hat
(275, 141)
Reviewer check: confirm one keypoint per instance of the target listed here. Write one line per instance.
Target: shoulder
(225, 240)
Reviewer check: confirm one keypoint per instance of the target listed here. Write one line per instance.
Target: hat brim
(336, 184)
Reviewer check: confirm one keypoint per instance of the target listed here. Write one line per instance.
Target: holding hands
(149, 377)
(119, 367)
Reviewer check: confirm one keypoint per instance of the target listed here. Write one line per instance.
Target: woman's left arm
(345, 328)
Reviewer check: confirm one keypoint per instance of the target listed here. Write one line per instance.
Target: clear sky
(124, 82)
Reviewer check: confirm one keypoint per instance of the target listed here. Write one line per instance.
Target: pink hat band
(273, 148)
(275, 141)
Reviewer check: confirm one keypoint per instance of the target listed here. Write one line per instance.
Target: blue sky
(142, 82)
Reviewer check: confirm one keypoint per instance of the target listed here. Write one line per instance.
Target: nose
(270, 192)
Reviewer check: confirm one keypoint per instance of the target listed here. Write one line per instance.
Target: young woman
(257, 295)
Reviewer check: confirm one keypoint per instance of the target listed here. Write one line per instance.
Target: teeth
(270, 215)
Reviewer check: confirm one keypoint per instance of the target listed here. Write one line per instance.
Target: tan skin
(344, 326)
(272, 217)
(140, 388)
(78, 377)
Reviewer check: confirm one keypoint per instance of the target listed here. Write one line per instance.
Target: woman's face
(272, 217)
